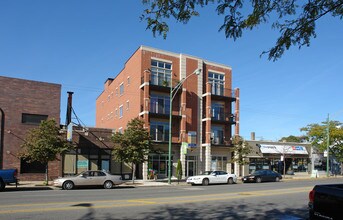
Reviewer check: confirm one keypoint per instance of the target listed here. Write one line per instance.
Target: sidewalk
(39, 185)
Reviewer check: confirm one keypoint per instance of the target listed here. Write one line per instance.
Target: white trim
(143, 113)
(206, 119)
(162, 60)
(144, 84)
(215, 71)
(206, 94)
(187, 56)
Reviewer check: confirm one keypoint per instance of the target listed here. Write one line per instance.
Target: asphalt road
(283, 200)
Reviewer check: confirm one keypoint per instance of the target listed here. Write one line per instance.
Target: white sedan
(89, 178)
(212, 177)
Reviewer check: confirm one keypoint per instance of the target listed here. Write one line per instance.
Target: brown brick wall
(25, 96)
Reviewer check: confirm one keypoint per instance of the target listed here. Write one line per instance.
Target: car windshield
(207, 173)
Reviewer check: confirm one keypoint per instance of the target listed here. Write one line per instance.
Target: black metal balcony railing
(163, 137)
(220, 91)
(161, 80)
(224, 117)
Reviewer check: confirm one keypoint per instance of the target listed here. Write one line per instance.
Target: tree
(292, 138)
(133, 146)
(43, 144)
(179, 171)
(241, 150)
(295, 20)
(317, 135)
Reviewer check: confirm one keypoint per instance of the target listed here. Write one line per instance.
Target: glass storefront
(158, 163)
(218, 163)
(291, 164)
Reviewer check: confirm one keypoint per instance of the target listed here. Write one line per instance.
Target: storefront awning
(282, 149)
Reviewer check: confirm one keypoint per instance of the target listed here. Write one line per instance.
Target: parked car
(7, 176)
(212, 177)
(89, 178)
(326, 202)
(262, 176)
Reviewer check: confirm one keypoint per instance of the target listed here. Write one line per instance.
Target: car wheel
(2, 185)
(108, 184)
(205, 182)
(68, 185)
(229, 181)
(258, 180)
(277, 179)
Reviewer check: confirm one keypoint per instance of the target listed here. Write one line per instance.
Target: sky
(81, 43)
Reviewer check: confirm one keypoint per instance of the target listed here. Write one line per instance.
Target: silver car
(89, 178)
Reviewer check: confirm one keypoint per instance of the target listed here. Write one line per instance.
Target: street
(283, 200)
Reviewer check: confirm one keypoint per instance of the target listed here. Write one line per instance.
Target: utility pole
(327, 146)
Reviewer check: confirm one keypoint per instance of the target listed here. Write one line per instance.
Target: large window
(33, 167)
(160, 104)
(218, 163)
(161, 73)
(217, 83)
(33, 118)
(159, 131)
(218, 111)
(159, 164)
(217, 135)
(121, 111)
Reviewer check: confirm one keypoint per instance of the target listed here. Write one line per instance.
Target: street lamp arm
(178, 86)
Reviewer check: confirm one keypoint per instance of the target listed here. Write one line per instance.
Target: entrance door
(191, 168)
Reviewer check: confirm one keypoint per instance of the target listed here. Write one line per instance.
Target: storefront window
(218, 163)
(159, 164)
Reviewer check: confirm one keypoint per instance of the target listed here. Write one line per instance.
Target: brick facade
(192, 107)
(20, 96)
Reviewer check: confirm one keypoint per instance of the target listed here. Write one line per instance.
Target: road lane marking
(99, 204)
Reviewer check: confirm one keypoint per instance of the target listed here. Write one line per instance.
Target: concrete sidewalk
(39, 185)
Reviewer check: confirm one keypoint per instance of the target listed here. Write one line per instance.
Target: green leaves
(241, 150)
(134, 144)
(295, 20)
(44, 143)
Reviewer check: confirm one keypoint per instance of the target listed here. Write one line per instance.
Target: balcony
(161, 83)
(221, 93)
(220, 141)
(223, 118)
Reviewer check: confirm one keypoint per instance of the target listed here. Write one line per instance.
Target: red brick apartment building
(23, 104)
(204, 109)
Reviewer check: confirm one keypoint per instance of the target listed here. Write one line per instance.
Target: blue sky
(80, 43)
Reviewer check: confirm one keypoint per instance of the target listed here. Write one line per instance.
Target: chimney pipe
(69, 108)
(252, 136)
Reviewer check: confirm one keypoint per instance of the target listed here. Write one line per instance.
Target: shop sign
(192, 139)
(82, 164)
(282, 149)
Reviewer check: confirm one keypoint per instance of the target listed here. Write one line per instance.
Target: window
(33, 167)
(217, 136)
(120, 130)
(218, 163)
(161, 73)
(121, 89)
(217, 81)
(217, 111)
(116, 115)
(32, 118)
(128, 80)
(159, 131)
(158, 163)
(160, 104)
(121, 111)
(116, 91)
(127, 105)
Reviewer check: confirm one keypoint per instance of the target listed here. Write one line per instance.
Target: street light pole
(327, 146)
(173, 92)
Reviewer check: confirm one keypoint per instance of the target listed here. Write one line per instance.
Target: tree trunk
(133, 172)
(46, 174)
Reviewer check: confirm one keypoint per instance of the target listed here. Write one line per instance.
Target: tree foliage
(134, 145)
(179, 171)
(44, 143)
(295, 20)
(241, 150)
(317, 135)
(292, 138)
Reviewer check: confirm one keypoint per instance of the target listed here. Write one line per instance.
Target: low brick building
(23, 104)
